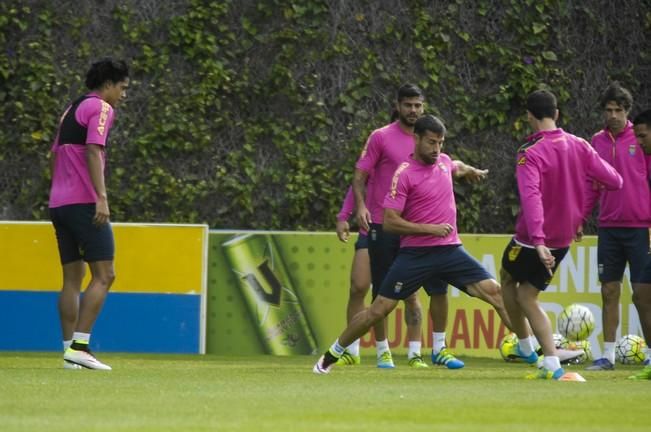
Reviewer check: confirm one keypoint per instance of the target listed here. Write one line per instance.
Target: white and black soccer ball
(559, 340)
(579, 345)
(629, 349)
(576, 322)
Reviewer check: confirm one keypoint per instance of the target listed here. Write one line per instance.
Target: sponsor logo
(103, 117)
(396, 176)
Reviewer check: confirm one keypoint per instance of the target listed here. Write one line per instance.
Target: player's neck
(409, 130)
(545, 124)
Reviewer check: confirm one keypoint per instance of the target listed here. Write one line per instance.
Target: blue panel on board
(129, 322)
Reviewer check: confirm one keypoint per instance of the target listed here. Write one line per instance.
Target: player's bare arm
(468, 172)
(94, 158)
(359, 189)
(395, 223)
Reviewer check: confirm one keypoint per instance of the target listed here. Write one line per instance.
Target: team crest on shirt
(522, 160)
(631, 150)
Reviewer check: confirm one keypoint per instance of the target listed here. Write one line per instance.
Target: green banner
(285, 293)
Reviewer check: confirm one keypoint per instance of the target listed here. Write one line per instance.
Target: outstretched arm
(468, 172)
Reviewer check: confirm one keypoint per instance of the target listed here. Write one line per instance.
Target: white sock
(647, 352)
(81, 337)
(381, 346)
(526, 345)
(438, 342)
(551, 363)
(353, 348)
(414, 349)
(534, 343)
(66, 344)
(337, 348)
(609, 351)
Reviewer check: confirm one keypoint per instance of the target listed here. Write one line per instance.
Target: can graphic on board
(269, 295)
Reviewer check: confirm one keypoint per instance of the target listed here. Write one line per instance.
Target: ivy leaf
(549, 55)
(538, 28)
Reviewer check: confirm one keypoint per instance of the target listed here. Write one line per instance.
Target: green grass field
(264, 393)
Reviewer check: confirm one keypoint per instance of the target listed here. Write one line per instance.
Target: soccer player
(624, 217)
(360, 274)
(79, 207)
(642, 128)
(385, 149)
(420, 207)
(550, 162)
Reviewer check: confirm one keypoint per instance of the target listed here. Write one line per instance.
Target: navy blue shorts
(383, 248)
(618, 246)
(524, 265)
(78, 237)
(362, 242)
(433, 268)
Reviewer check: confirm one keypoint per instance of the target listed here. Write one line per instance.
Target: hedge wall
(251, 114)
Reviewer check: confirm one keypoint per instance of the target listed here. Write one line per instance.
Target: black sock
(79, 346)
(329, 359)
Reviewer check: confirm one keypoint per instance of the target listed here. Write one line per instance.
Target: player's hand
(364, 218)
(579, 234)
(546, 258)
(441, 230)
(343, 231)
(475, 175)
(101, 212)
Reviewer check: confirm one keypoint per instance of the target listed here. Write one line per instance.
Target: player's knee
(642, 298)
(610, 293)
(413, 303)
(358, 290)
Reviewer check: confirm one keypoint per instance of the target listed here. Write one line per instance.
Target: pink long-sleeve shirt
(630, 206)
(551, 171)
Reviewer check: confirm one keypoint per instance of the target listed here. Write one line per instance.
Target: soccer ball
(507, 347)
(576, 322)
(579, 345)
(630, 349)
(559, 340)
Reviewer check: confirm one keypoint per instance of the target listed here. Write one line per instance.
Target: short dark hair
(409, 91)
(542, 104)
(618, 94)
(429, 123)
(106, 70)
(643, 118)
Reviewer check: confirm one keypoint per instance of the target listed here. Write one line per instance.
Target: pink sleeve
(347, 206)
(602, 171)
(371, 153)
(528, 177)
(397, 196)
(97, 116)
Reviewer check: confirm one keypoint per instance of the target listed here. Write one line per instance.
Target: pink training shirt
(424, 194)
(71, 183)
(385, 149)
(551, 171)
(629, 207)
